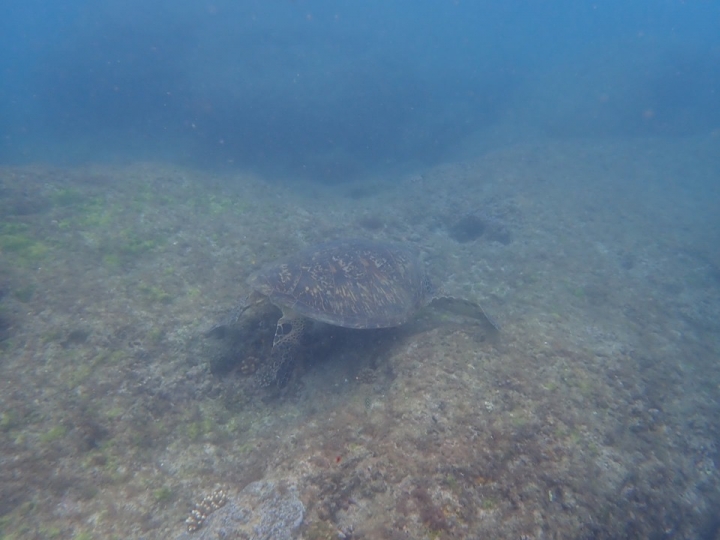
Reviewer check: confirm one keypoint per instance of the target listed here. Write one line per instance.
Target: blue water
(335, 90)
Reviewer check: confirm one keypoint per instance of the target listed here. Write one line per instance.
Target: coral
(206, 506)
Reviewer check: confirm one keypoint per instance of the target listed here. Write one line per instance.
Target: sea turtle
(353, 283)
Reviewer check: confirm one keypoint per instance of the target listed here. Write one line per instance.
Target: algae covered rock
(263, 510)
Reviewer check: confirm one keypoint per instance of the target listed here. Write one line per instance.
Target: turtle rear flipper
(465, 308)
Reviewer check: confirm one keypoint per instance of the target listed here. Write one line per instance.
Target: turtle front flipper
(288, 333)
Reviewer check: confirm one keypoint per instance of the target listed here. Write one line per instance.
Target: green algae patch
(488, 503)
(114, 412)
(220, 205)
(155, 335)
(196, 430)
(89, 213)
(163, 495)
(155, 295)
(127, 246)
(10, 228)
(19, 245)
(321, 530)
(24, 294)
(8, 420)
(112, 261)
(67, 197)
(82, 371)
(96, 215)
(78, 375)
(55, 433)
(50, 531)
(132, 244)
(193, 292)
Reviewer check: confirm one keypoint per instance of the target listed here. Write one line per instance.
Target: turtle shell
(349, 283)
